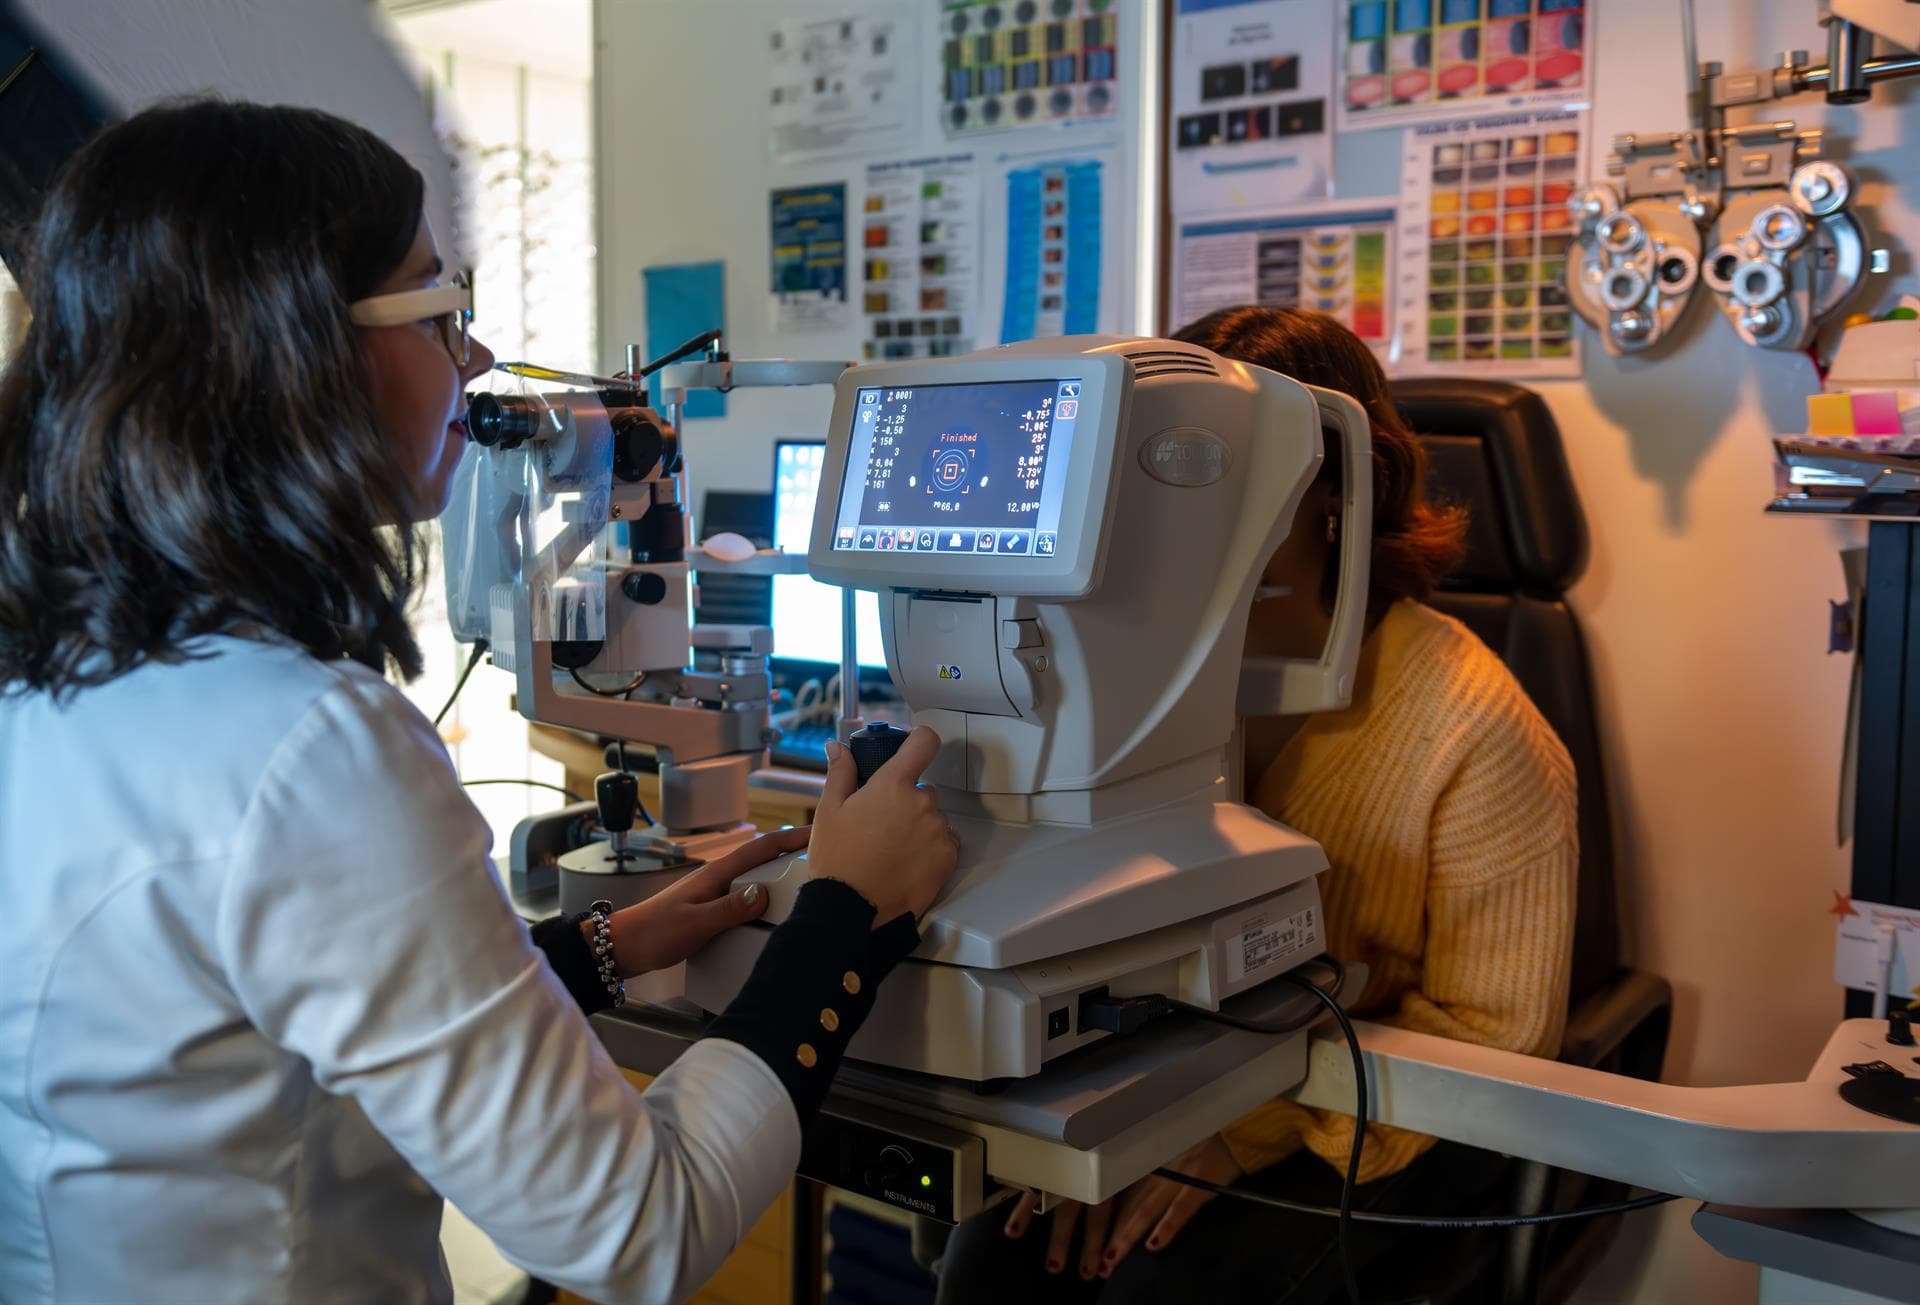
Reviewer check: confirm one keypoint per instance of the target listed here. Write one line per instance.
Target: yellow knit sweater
(1445, 804)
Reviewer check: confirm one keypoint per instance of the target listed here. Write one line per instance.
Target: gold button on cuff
(806, 1056)
(851, 982)
(829, 1019)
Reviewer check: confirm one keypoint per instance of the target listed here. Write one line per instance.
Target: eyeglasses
(449, 307)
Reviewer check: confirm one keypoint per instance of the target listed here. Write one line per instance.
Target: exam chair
(1496, 451)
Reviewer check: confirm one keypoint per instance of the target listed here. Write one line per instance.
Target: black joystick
(1900, 1029)
(874, 746)
(617, 794)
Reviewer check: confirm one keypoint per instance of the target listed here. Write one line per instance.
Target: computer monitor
(806, 613)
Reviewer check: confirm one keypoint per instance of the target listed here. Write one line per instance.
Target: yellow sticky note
(1829, 414)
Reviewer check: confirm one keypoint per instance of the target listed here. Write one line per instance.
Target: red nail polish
(1153, 1243)
(1053, 1266)
(1111, 1255)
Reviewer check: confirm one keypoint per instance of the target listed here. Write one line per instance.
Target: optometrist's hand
(678, 921)
(888, 840)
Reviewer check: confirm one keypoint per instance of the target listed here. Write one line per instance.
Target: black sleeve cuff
(572, 960)
(813, 988)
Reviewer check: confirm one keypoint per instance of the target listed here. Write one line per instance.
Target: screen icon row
(1012, 543)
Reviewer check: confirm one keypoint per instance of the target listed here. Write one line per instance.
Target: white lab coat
(261, 998)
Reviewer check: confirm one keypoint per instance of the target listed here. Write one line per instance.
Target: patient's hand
(1155, 1208)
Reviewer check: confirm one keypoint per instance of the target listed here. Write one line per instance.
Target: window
(510, 86)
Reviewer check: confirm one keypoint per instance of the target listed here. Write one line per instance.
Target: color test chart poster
(921, 257)
(1484, 234)
(1412, 60)
(1327, 259)
(1018, 63)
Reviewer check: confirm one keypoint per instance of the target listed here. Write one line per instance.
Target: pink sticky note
(1876, 413)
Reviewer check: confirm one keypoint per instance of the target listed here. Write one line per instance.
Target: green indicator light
(925, 1181)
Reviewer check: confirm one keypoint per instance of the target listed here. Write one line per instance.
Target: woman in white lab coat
(263, 1001)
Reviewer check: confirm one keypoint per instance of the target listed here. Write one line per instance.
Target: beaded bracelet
(601, 912)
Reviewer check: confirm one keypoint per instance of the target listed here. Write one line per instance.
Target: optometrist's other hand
(678, 921)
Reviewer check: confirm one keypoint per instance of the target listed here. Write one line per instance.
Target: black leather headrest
(1496, 451)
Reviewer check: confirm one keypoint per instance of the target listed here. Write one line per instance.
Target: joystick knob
(1900, 1029)
(617, 794)
(873, 747)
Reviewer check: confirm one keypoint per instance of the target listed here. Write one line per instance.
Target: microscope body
(567, 547)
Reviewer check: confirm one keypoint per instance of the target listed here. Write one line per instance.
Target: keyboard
(804, 747)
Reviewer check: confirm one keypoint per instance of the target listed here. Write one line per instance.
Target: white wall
(326, 54)
(1707, 620)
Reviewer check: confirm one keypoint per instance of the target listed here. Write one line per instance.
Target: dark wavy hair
(1415, 543)
(187, 442)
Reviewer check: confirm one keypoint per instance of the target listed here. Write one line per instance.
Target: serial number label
(1264, 940)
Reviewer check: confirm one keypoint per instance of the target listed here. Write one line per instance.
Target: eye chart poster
(1251, 84)
(920, 235)
(1484, 234)
(1411, 60)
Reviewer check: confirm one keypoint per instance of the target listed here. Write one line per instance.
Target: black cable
(1118, 1014)
(570, 795)
(1345, 1212)
(1448, 1222)
(1351, 1180)
(479, 651)
(620, 692)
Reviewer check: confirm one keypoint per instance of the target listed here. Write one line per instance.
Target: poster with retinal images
(1023, 63)
(1248, 103)
(1484, 234)
(1419, 60)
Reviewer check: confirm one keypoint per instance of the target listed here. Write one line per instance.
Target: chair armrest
(1598, 1026)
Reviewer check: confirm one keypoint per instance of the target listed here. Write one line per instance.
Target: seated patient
(1445, 804)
